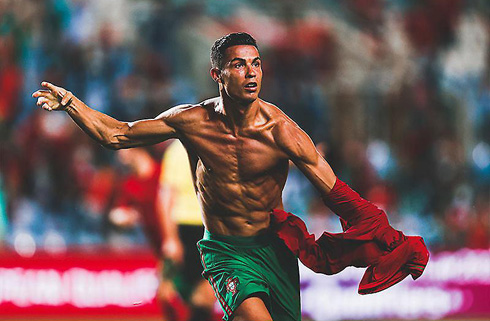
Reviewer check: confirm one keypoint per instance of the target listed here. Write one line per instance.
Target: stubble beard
(242, 101)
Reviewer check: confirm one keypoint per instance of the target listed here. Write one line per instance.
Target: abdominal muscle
(238, 209)
(252, 224)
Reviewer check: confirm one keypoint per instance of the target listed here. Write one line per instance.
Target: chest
(250, 154)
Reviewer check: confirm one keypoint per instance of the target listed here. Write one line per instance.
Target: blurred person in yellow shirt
(182, 208)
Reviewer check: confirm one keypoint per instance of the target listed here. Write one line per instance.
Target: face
(241, 74)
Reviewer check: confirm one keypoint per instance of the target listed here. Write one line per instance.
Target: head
(236, 67)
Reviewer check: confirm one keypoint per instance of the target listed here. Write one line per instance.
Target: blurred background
(396, 94)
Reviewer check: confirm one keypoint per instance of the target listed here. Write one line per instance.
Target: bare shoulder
(273, 117)
(283, 126)
(288, 136)
(186, 114)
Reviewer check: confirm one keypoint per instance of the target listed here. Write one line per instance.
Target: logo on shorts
(232, 285)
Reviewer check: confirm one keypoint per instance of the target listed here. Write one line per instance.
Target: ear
(215, 74)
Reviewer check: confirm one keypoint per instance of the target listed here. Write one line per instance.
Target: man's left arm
(337, 195)
(390, 258)
(298, 146)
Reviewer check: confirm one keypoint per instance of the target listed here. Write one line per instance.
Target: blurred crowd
(396, 94)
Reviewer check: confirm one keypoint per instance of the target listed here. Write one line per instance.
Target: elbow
(118, 138)
(112, 145)
(114, 140)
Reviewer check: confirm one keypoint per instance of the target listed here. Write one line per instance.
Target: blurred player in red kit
(139, 198)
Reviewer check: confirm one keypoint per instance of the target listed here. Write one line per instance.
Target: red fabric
(175, 309)
(10, 87)
(142, 195)
(367, 241)
(409, 258)
(361, 219)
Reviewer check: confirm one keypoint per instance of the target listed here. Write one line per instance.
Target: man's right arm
(107, 131)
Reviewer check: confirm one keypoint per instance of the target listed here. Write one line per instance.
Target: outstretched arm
(107, 131)
(338, 196)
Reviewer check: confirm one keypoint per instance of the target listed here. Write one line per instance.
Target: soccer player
(239, 147)
(181, 206)
(140, 198)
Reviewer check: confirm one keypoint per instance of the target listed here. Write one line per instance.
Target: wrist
(71, 106)
(65, 100)
(67, 104)
(348, 204)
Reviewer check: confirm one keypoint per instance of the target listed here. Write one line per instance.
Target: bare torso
(239, 176)
(239, 156)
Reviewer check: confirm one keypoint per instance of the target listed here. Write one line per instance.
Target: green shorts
(242, 267)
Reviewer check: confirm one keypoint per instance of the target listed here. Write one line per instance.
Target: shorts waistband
(242, 241)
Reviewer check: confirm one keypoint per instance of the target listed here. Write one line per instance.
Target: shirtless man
(239, 147)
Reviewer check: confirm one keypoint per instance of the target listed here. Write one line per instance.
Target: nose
(250, 71)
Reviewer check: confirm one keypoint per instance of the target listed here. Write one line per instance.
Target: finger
(55, 89)
(42, 100)
(49, 85)
(40, 93)
(45, 96)
(50, 100)
(44, 93)
(46, 106)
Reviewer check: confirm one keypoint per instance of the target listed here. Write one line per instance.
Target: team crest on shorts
(232, 285)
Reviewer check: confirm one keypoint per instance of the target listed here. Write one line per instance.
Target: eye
(256, 64)
(239, 65)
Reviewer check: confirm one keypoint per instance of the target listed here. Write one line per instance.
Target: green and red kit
(261, 266)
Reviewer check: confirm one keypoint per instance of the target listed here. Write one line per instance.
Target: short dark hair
(233, 39)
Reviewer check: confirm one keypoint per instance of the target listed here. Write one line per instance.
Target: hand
(53, 98)
(173, 249)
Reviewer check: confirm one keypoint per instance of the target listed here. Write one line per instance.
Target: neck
(239, 114)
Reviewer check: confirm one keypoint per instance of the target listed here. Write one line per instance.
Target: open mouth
(251, 85)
